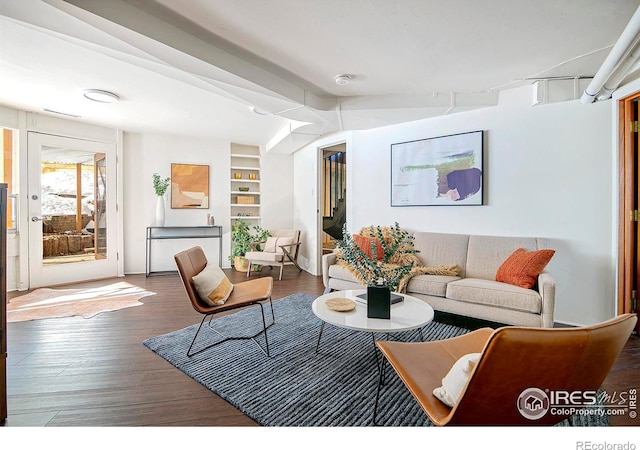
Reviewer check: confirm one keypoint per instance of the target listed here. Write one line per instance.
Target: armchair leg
(293, 260)
(189, 354)
(248, 269)
(265, 327)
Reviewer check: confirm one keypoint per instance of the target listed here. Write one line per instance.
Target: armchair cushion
(456, 379)
(212, 285)
(265, 257)
(273, 244)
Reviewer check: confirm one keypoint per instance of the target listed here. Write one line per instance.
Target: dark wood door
(3, 302)
(629, 206)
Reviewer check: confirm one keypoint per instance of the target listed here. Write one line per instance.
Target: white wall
(548, 172)
(306, 201)
(145, 154)
(276, 186)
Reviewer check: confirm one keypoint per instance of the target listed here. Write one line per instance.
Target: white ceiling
(195, 67)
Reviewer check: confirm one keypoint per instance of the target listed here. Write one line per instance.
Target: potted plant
(379, 263)
(242, 236)
(390, 267)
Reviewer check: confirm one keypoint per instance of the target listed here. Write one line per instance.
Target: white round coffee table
(409, 314)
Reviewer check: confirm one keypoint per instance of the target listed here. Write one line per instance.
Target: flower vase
(159, 219)
(378, 302)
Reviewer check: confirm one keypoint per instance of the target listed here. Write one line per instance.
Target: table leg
(319, 336)
(379, 360)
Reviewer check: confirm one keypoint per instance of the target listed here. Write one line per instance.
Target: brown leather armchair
(513, 359)
(191, 262)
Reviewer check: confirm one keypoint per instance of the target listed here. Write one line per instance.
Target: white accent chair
(281, 248)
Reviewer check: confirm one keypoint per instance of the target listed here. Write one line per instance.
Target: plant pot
(159, 216)
(378, 302)
(240, 263)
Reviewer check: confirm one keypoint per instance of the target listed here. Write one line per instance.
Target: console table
(201, 232)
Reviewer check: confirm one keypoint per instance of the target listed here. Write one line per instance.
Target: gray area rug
(297, 387)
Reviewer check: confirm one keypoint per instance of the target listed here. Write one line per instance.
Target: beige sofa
(474, 293)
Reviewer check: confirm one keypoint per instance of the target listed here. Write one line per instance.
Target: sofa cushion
(435, 285)
(495, 293)
(341, 273)
(436, 249)
(487, 253)
(522, 267)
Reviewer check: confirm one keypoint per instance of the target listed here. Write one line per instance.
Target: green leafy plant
(160, 184)
(243, 235)
(396, 244)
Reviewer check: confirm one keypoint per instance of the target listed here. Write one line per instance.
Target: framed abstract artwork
(445, 170)
(189, 186)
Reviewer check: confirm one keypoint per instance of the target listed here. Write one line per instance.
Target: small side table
(200, 232)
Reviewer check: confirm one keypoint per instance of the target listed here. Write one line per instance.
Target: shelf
(254, 169)
(238, 155)
(245, 160)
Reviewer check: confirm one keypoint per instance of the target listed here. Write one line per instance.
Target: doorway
(334, 194)
(72, 210)
(629, 206)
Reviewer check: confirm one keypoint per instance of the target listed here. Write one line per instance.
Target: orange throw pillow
(365, 245)
(523, 267)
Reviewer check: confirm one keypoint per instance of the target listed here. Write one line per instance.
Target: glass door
(100, 202)
(71, 210)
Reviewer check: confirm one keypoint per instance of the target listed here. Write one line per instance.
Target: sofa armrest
(327, 260)
(547, 290)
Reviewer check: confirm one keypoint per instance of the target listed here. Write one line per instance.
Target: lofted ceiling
(198, 67)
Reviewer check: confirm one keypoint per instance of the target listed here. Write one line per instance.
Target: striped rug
(297, 386)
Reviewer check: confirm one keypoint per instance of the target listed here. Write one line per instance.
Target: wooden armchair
(281, 248)
(512, 360)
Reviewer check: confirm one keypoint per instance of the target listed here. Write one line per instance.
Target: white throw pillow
(273, 244)
(456, 379)
(270, 245)
(212, 285)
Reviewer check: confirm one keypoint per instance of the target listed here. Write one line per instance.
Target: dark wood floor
(96, 372)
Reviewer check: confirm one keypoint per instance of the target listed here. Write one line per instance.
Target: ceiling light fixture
(260, 112)
(98, 95)
(344, 79)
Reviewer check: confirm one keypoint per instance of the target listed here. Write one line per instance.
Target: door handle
(36, 219)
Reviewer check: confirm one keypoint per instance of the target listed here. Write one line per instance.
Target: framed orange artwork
(189, 186)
